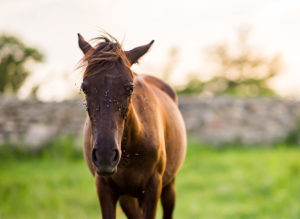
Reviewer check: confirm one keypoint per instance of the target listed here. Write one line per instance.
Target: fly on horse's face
(108, 84)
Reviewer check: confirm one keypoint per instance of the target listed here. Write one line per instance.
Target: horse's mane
(105, 55)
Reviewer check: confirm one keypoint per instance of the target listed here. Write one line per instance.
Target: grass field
(213, 183)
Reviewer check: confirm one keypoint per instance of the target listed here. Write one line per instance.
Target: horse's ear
(136, 53)
(83, 45)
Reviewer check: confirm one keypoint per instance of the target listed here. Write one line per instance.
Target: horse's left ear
(83, 45)
(136, 53)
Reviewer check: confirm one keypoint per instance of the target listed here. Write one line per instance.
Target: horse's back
(162, 86)
(173, 126)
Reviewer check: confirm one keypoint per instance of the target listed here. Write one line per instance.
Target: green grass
(213, 183)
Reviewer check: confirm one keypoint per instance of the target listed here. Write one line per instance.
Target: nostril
(116, 156)
(94, 157)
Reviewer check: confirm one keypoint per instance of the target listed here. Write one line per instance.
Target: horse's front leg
(107, 198)
(151, 196)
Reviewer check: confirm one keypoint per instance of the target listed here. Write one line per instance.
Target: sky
(52, 26)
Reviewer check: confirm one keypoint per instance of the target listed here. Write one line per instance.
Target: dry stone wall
(34, 123)
(251, 120)
(212, 120)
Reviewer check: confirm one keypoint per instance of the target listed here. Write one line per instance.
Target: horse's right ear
(83, 45)
(136, 53)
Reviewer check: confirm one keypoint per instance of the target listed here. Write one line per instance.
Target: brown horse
(134, 135)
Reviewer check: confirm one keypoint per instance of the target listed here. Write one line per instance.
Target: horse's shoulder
(162, 86)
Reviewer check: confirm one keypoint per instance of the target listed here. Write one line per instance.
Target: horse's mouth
(106, 172)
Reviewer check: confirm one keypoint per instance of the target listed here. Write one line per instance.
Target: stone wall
(33, 122)
(251, 120)
(213, 120)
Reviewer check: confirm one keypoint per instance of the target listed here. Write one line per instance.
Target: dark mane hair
(106, 54)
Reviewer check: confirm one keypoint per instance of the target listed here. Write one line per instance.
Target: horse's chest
(133, 174)
(132, 184)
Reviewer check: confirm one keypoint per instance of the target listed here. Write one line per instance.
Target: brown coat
(134, 159)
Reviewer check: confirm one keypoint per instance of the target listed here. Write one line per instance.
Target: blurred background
(234, 64)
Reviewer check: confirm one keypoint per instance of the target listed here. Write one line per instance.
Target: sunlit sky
(52, 25)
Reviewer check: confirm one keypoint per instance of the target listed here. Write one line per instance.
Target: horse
(134, 135)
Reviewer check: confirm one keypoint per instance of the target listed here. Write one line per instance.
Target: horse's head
(108, 84)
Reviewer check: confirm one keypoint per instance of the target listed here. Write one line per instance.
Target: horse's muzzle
(105, 161)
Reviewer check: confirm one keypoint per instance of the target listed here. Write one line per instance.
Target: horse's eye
(129, 89)
(84, 89)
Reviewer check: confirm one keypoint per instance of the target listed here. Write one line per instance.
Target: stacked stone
(248, 120)
(33, 122)
(209, 119)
